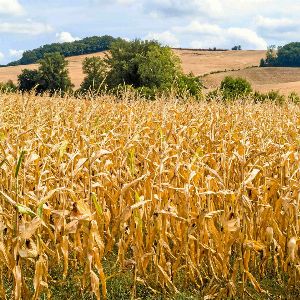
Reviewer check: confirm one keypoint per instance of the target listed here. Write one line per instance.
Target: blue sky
(254, 24)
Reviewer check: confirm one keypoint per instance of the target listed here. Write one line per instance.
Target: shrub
(8, 86)
(233, 88)
(148, 93)
(294, 97)
(124, 91)
(215, 94)
(262, 63)
(273, 96)
(189, 85)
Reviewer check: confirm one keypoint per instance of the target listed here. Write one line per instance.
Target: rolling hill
(202, 63)
(262, 79)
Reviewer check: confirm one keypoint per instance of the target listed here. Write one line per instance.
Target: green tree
(262, 63)
(285, 56)
(28, 80)
(233, 88)
(159, 68)
(239, 47)
(54, 75)
(141, 64)
(96, 71)
(271, 56)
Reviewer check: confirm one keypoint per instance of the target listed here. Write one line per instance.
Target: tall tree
(95, 70)
(141, 64)
(54, 75)
(29, 80)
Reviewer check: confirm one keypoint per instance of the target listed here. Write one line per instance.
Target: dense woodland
(286, 56)
(85, 46)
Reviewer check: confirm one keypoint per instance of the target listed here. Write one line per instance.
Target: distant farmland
(203, 63)
(263, 79)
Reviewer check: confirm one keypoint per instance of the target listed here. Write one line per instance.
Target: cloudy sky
(254, 24)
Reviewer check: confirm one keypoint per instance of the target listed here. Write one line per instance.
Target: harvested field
(204, 62)
(285, 80)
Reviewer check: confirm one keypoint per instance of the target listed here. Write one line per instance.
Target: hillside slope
(262, 79)
(201, 63)
(204, 62)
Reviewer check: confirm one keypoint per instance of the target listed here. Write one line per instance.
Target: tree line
(144, 66)
(284, 56)
(85, 46)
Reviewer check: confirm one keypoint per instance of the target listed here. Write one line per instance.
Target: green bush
(273, 96)
(294, 97)
(189, 85)
(147, 93)
(8, 86)
(214, 95)
(262, 63)
(234, 88)
(123, 91)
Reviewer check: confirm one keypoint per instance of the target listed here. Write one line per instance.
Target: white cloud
(126, 2)
(11, 7)
(166, 38)
(273, 23)
(66, 37)
(183, 7)
(202, 28)
(1, 56)
(119, 2)
(29, 28)
(216, 9)
(212, 35)
(210, 23)
(247, 37)
(16, 53)
(280, 29)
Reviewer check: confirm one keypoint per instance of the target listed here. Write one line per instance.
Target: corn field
(176, 194)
